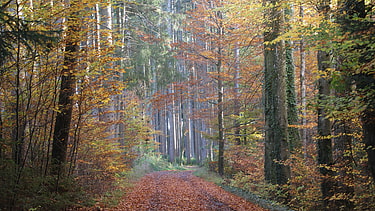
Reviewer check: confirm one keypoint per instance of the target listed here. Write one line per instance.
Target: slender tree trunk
(220, 118)
(162, 127)
(220, 93)
(303, 89)
(19, 128)
(236, 101)
(190, 136)
(276, 118)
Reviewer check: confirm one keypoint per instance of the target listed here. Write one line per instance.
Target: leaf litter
(181, 190)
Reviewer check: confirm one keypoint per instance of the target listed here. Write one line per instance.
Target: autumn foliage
(91, 89)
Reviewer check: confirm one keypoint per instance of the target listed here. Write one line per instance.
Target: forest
(275, 96)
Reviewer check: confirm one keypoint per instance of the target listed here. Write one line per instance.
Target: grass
(208, 175)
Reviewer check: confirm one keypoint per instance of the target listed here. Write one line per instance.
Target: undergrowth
(208, 175)
(151, 162)
(30, 190)
(227, 184)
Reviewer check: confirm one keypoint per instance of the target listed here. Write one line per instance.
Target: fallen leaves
(180, 190)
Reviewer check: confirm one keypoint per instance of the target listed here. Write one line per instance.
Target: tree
(294, 136)
(357, 24)
(303, 86)
(67, 90)
(275, 105)
(324, 124)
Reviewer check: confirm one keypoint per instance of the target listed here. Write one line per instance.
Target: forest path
(181, 190)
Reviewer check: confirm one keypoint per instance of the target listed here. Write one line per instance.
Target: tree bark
(275, 105)
(324, 124)
(324, 131)
(220, 93)
(303, 90)
(220, 118)
(294, 135)
(67, 87)
(368, 125)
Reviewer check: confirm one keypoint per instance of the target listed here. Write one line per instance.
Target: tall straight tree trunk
(220, 93)
(276, 118)
(303, 89)
(237, 105)
(18, 130)
(324, 124)
(294, 136)
(189, 137)
(324, 131)
(220, 98)
(65, 103)
(220, 118)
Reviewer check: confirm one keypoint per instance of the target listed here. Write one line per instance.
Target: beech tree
(275, 105)
(324, 124)
(67, 89)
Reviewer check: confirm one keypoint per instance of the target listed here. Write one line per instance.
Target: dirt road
(180, 190)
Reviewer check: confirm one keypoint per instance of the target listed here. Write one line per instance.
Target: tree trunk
(220, 118)
(303, 89)
(65, 104)
(324, 125)
(324, 131)
(236, 101)
(344, 177)
(368, 125)
(276, 119)
(294, 136)
(220, 93)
